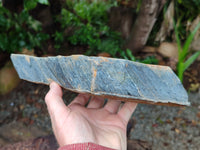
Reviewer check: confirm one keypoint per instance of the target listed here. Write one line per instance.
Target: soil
(171, 128)
(192, 77)
(23, 109)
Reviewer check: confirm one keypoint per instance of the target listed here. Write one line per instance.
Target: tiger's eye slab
(108, 77)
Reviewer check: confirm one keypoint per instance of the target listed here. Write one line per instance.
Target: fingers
(96, 102)
(54, 101)
(126, 111)
(81, 99)
(112, 106)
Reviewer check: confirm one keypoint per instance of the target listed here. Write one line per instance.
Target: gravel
(169, 127)
(26, 104)
(162, 126)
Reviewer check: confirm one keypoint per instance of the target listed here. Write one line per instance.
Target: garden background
(160, 32)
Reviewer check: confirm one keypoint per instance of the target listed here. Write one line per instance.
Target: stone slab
(108, 77)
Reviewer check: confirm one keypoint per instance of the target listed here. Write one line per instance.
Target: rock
(8, 78)
(108, 77)
(169, 50)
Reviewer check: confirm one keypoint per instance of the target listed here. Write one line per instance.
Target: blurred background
(160, 32)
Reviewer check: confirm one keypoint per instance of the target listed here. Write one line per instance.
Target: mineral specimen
(108, 77)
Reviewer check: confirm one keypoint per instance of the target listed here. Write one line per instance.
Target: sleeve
(84, 146)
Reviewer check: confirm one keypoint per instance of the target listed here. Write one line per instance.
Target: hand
(75, 123)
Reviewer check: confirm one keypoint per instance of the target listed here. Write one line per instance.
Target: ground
(23, 112)
(23, 115)
(169, 127)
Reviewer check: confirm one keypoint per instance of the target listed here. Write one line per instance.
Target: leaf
(123, 55)
(180, 1)
(129, 54)
(190, 60)
(44, 2)
(180, 70)
(150, 60)
(189, 40)
(30, 4)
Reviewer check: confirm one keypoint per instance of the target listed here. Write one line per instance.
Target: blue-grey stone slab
(109, 77)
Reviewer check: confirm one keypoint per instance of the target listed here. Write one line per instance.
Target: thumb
(54, 102)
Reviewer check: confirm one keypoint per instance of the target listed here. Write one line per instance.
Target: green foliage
(149, 60)
(187, 9)
(94, 13)
(183, 51)
(138, 5)
(31, 4)
(86, 24)
(18, 31)
(88, 21)
(128, 55)
(58, 39)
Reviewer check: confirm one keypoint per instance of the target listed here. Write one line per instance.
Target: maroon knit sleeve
(84, 146)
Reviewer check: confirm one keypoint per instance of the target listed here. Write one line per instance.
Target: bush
(185, 11)
(188, 10)
(18, 31)
(89, 24)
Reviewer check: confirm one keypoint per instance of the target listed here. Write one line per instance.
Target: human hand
(96, 123)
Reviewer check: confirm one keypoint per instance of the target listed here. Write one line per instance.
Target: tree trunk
(147, 16)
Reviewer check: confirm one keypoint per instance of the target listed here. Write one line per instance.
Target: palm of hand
(103, 125)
